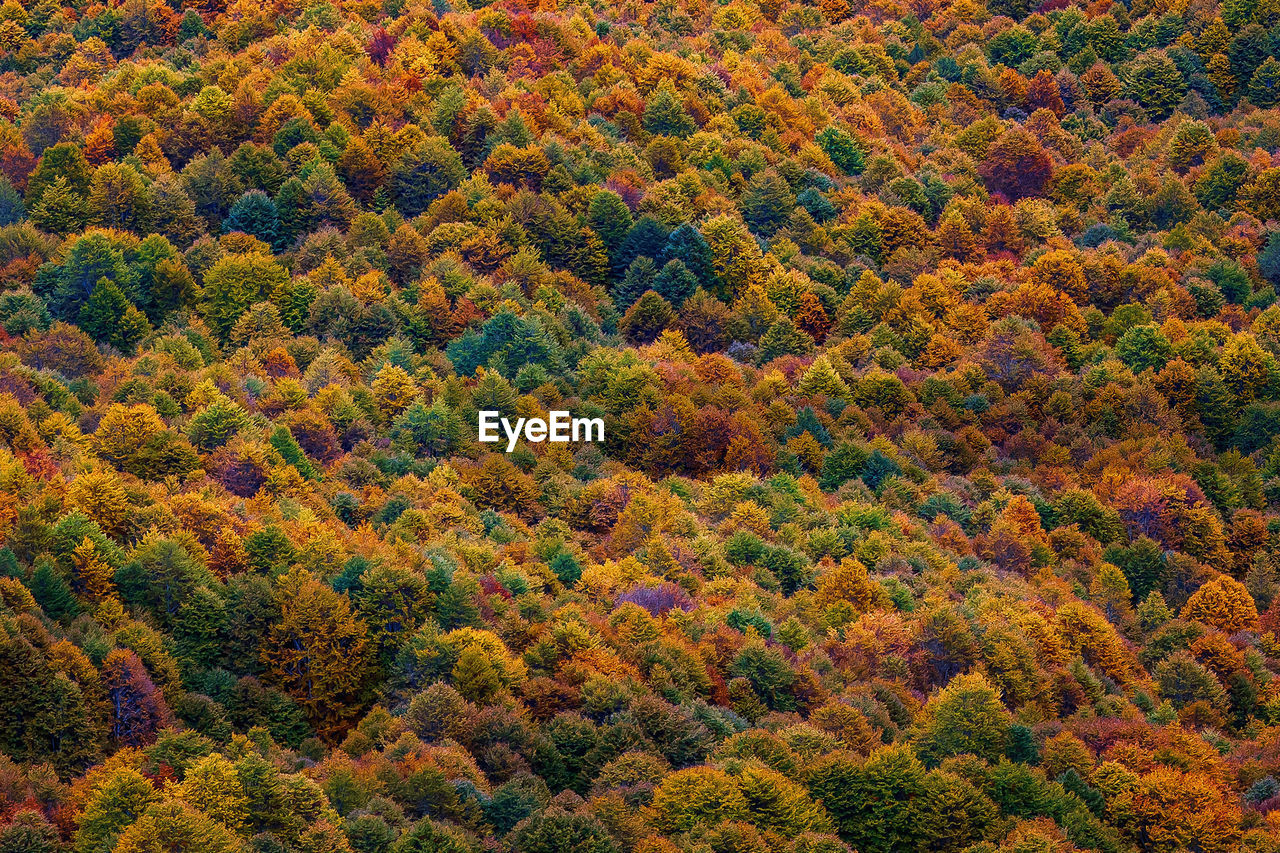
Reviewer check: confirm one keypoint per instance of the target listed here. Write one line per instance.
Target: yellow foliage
(1224, 604)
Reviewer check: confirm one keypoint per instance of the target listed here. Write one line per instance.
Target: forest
(937, 345)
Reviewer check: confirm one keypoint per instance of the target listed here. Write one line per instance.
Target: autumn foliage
(938, 350)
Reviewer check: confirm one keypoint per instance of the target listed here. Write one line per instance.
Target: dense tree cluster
(939, 351)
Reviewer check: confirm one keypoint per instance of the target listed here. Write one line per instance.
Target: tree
(783, 338)
(164, 283)
(424, 174)
(361, 170)
(1016, 166)
(735, 256)
(393, 390)
(1223, 603)
(665, 115)
(258, 166)
(59, 208)
(29, 832)
(212, 185)
(1218, 186)
(328, 203)
(1264, 87)
(1144, 347)
(212, 785)
(100, 495)
(215, 424)
(174, 825)
(92, 576)
(1143, 564)
(1154, 81)
(526, 166)
(640, 278)
(198, 628)
(555, 830)
(173, 213)
(137, 708)
(316, 652)
(646, 238)
(646, 319)
(236, 282)
(697, 796)
(103, 310)
(776, 803)
(292, 210)
(431, 430)
(812, 318)
(63, 161)
(1167, 810)
(877, 805)
(1269, 258)
(767, 203)
(956, 814)
(118, 798)
(675, 282)
(967, 717)
(51, 718)
(1262, 196)
(768, 673)
(52, 593)
(844, 149)
(474, 675)
(687, 245)
(1192, 145)
(1245, 367)
(119, 199)
(255, 214)
(609, 216)
(429, 836)
(1183, 681)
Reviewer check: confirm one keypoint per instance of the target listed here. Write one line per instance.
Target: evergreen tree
(647, 238)
(843, 148)
(103, 312)
(675, 283)
(687, 245)
(198, 628)
(767, 203)
(665, 115)
(1216, 406)
(292, 212)
(640, 278)
(609, 216)
(12, 210)
(783, 338)
(427, 172)
(255, 214)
